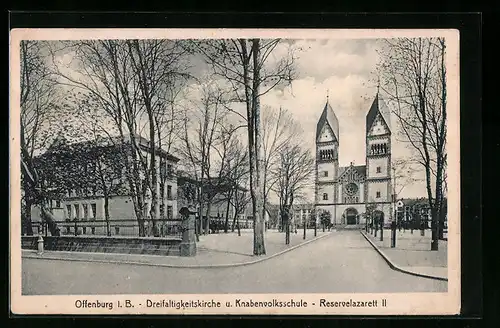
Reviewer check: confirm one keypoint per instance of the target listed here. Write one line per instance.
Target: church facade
(347, 192)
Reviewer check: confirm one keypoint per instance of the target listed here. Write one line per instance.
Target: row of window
(379, 170)
(73, 211)
(354, 198)
(170, 211)
(378, 149)
(327, 154)
(81, 192)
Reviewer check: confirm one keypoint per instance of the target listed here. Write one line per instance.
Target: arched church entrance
(351, 216)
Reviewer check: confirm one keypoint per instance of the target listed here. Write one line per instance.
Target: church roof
(328, 116)
(360, 169)
(378, 106)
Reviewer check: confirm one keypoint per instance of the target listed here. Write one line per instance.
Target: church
(346, 192)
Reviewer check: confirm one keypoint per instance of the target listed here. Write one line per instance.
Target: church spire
(378, 84)
(327, 95)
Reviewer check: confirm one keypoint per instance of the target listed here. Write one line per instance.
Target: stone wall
(103, 244)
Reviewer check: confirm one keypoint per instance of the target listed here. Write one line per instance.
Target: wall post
(188, 244)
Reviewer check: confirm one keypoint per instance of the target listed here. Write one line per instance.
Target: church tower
(378, 157)
(327, 161)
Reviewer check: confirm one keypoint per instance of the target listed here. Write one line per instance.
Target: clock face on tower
(351, 189)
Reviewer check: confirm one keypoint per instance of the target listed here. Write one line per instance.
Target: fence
(165, 228)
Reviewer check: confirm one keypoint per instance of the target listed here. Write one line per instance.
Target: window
(379, 169)
(170, 213)
(94, 210)
(351, 189)
(85, 211)
(325, 173)
(170, 170)
(325, 196)
(378, 194)
(68, 209)
(58, 204)
(77, 211)
(169, 192)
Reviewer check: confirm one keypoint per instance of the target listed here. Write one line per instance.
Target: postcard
(234, 171)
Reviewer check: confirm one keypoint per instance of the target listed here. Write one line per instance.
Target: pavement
(412, 253)
(213, 250)
(339, 262)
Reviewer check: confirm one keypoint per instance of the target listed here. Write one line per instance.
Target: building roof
(328, 116)
(378, 106)
(61, 141)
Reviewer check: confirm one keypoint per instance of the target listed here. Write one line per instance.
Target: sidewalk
(214, 250)
(412, 253)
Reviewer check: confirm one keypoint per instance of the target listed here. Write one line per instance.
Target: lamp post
(393, 210)
(304, 223)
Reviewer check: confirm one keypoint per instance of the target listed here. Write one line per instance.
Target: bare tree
(157, 65)
(128, 79)
(292, 175)
(414, 75)
(240, 202)
(38, 95)
(278, 129)
(204, 125)
(244, 65)
(232, 166)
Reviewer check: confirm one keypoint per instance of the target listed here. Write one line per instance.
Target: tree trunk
(442, 215)
(304, 223)
(28, 226)
(154, 204)
(287, 238)
(207, 222)
(106, 214)
(198, 216)
(135, 183)
(252, 106)
(233, 226)
(162, 203)
(50, 219)
(238, 225)
(259, 247)
(226, 223)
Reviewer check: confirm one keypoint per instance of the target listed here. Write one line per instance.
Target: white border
(398, 303)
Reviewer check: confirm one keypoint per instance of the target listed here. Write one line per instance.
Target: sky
(342, 70)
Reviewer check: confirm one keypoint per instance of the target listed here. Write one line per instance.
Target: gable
(379, 126)
(353, 173)
(326, 134)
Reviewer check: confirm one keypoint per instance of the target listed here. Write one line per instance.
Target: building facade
(346, 192)
(80, 182)
(303, 214)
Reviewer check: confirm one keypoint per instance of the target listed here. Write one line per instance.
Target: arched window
(325, 196)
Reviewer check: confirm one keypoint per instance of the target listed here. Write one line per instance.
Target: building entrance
(351, 216)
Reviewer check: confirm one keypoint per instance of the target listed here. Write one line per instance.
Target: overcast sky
(345, 70)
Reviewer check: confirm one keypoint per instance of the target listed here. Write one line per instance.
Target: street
(343, 262)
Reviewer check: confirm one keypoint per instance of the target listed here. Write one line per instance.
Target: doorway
(351, 216)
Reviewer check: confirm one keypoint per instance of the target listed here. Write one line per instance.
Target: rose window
(351, 189)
